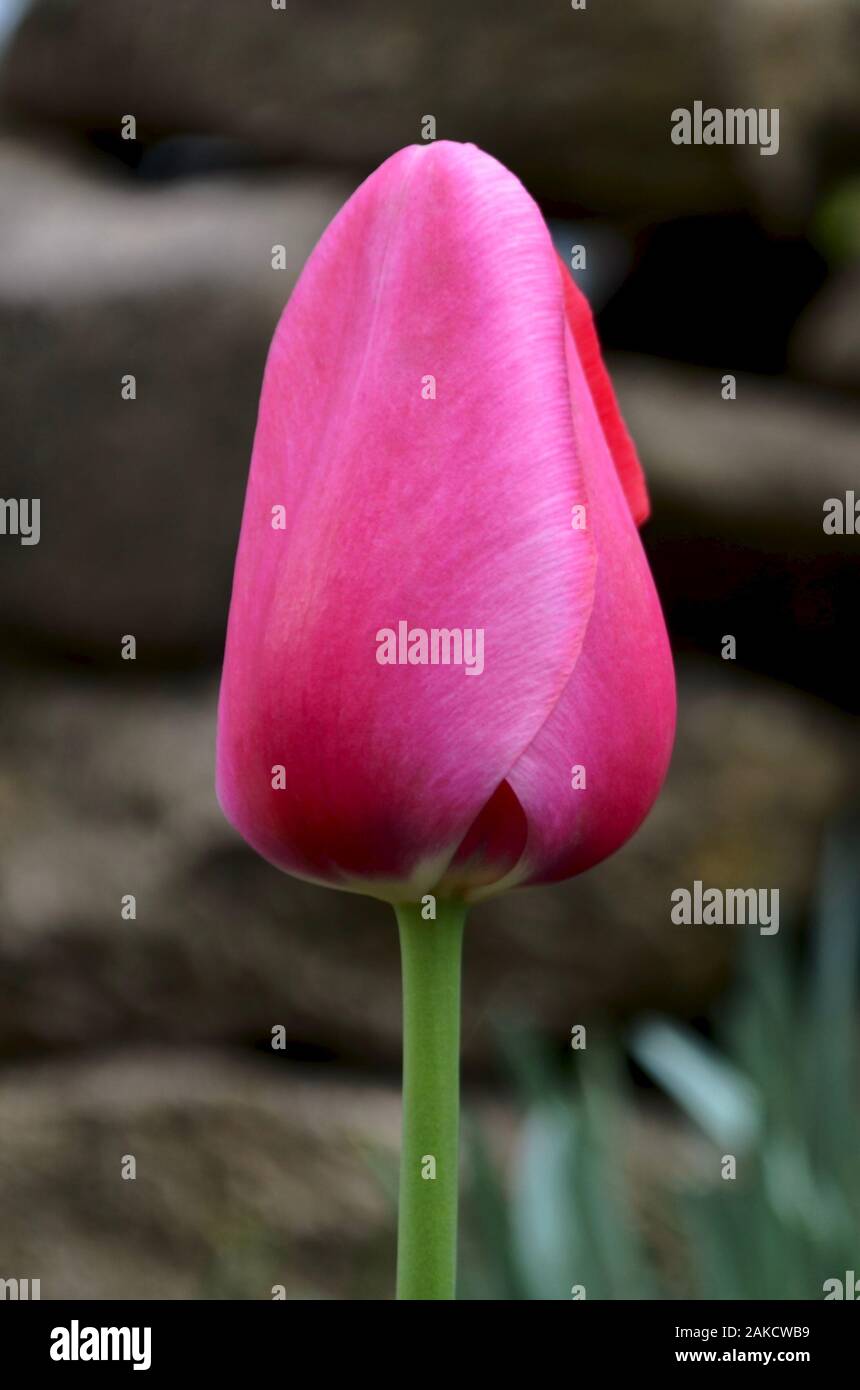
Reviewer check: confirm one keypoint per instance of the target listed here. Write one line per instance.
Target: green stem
(430, 953)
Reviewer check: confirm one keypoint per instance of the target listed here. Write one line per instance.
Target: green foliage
(778, 1091)
(567, 1212)
(837, 222)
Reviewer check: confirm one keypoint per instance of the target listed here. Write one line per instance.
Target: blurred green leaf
(721, 1101)
(837, 222)
(778, 1090)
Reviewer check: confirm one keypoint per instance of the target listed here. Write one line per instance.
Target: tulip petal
(447, 512)
(492, 847)
(616, 717)
(623, 450)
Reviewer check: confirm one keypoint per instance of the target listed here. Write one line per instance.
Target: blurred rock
(826, 340)
(106, 790)
(761, 465)
(140, 499)
(247, 1176)
(736, 539)
(578, 103)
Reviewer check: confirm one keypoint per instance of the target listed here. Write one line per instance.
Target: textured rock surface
(760, 465)
(247, 1176)
(826, 343)
(106, 790)
(737, 542)
(578, 103)
(140, 499)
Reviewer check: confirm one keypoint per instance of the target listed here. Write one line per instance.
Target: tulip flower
(446, 671)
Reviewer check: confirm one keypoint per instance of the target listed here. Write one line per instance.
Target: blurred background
(261, 1167)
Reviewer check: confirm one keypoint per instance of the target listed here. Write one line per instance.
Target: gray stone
(248, 1176)
(140, 499)
(736, 539)
(759, 467)
(826, 341)
(577, 103)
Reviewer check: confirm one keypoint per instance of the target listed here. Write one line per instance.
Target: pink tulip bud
(441, 606)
